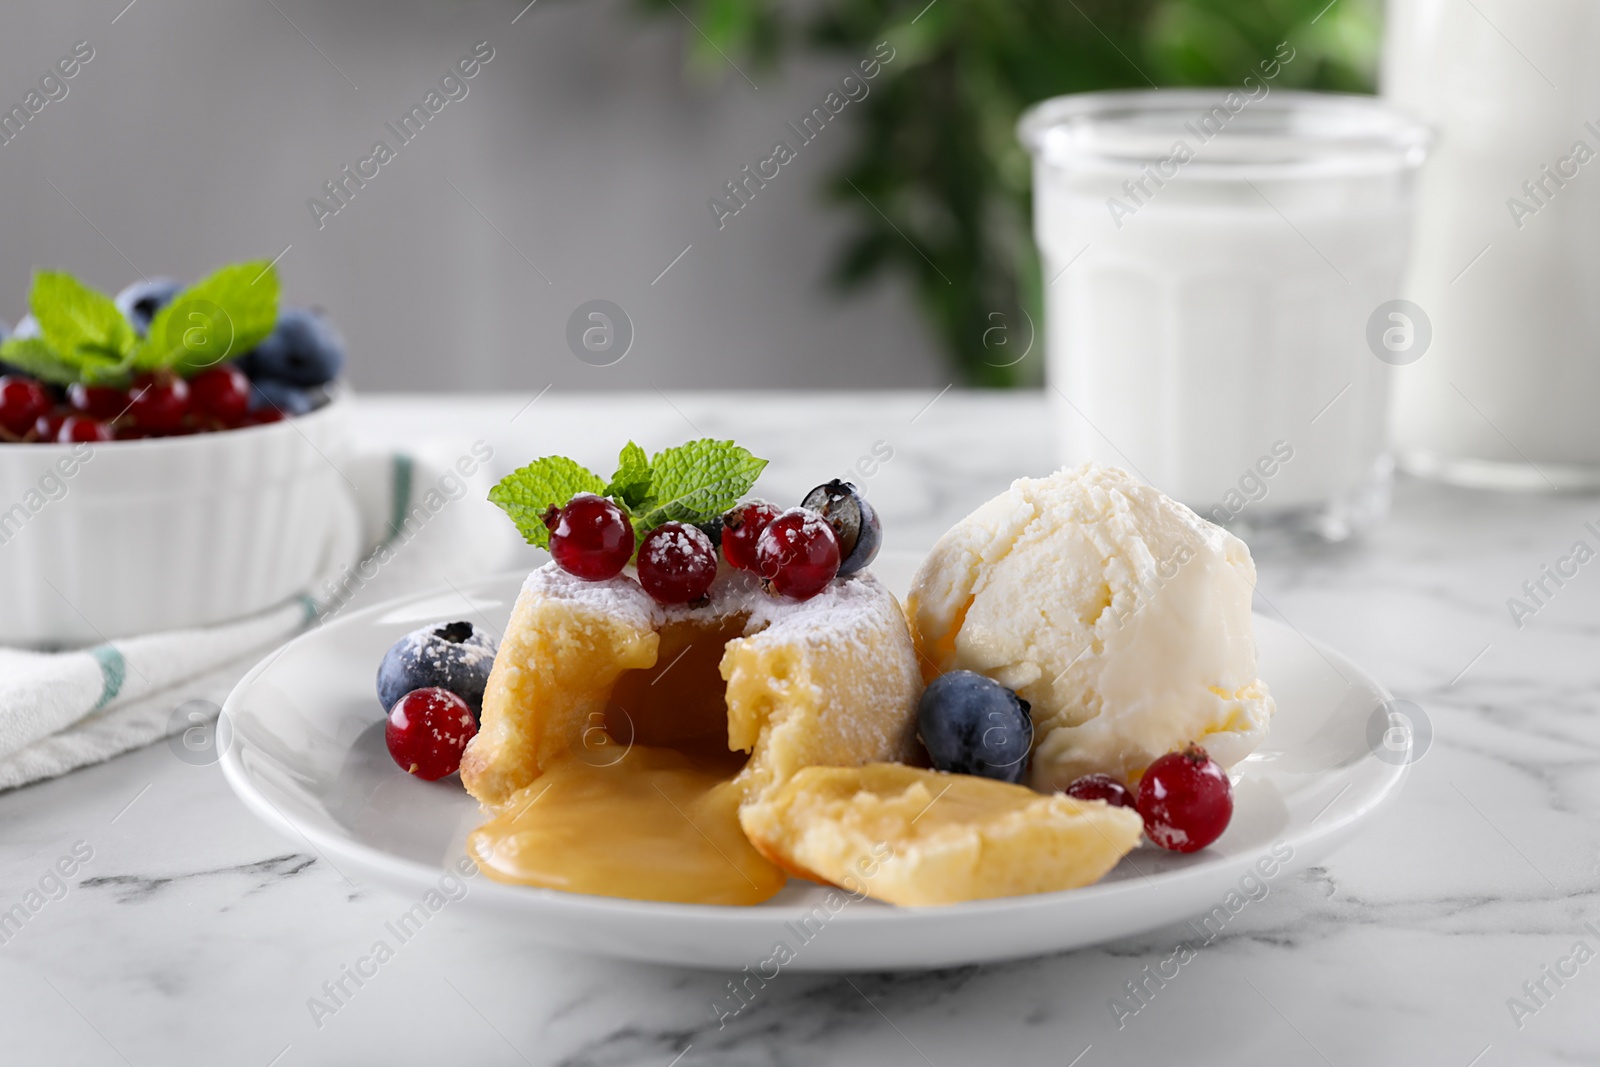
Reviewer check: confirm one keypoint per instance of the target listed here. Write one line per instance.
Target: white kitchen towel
(67, 710)
(64, 710)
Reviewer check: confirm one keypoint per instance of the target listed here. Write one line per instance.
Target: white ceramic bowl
(110, 540)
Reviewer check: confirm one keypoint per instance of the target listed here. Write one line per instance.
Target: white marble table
(195, 934)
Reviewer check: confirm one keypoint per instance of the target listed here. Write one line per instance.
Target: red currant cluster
(155, 405)
(795, 552)
(1185, 798)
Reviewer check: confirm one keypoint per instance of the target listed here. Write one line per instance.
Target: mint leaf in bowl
(219, 317)
(37, 358)
(83, 327)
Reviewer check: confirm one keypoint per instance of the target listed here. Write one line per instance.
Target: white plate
(307, 755)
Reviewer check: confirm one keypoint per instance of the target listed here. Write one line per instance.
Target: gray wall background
(200, 128)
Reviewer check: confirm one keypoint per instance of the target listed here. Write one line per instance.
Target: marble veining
(195, 934)
(136, 888)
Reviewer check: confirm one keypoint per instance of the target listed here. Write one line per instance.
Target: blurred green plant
(938, 185)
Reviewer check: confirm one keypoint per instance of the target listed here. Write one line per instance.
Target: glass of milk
(1507, 242)
(1214, 265)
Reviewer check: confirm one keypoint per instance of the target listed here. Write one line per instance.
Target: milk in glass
(1212, 263)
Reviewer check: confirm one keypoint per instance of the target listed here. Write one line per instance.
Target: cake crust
(918, 837)
(830, 680)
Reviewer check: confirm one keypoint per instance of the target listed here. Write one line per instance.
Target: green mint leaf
(79, 323)
(698, 481)
(526, 494)
(96, 369)
(631, 484)
(218, 318)
(38, 357)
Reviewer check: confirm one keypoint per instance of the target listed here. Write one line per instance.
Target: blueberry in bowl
(454, 656)
(302, 350)
(268, 395)
(140, 301)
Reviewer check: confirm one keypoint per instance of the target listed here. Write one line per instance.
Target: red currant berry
(590, 538)
(677, 563)
(22, 401)
(1102, 787)
(741, 529)
(97, 401)
(797, 555)
(261, 417)
(47, 427)
(221, 393)
(427, 731)
(158, 402)
(76, 429)
(1186, 800)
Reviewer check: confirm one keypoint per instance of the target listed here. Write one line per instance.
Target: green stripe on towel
(113, 671)
(400, 506)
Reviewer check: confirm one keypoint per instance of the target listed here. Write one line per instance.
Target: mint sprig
(84, 338)
(79, 322)
(630, 486)
(694, 482)
(36, 357)
(219, 317)
(528, 493)
(697, 481)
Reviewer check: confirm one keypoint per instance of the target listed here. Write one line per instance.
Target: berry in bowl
(166, 456)
(160, 360)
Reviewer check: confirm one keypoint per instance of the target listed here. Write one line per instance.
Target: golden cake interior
(645, 803)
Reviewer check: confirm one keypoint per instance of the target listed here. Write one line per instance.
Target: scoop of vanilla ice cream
(1118, 613)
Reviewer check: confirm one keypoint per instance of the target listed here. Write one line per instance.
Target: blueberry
(853, 519)
(140, 301)
(303, 349)
(712, 530)
(286, 398)
(974, 725)
(452, 656)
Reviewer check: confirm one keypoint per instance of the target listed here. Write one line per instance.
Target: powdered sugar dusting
(845, 609)
(833, 615)
(425, 646)
(810, 524)
(622, 596)
(668, 544)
